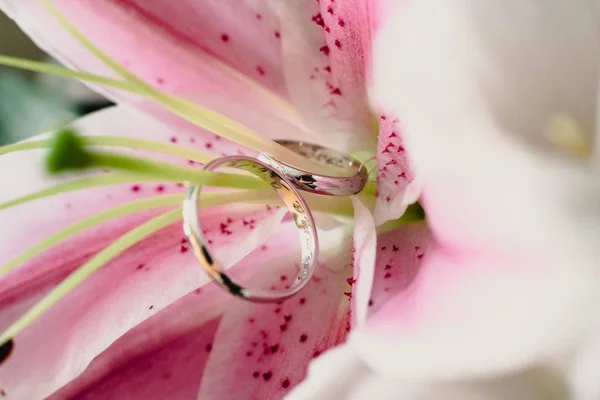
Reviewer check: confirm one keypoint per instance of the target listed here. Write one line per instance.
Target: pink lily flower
(122, 309)
(499, 102)
(122, 334)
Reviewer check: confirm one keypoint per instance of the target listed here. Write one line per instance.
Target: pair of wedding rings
(287, 181)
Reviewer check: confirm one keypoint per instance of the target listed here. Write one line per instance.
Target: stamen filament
(58, 70)
(114, 178)
(192, 112)
(115, 249)
(169, 172)
(86, 223)
(117, 141)
(208, 200)
(77, 277)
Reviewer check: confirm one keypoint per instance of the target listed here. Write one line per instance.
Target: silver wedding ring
(286, 180)
(356, 174)
(294, 203)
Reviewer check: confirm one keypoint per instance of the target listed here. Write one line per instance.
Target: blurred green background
(34, 103)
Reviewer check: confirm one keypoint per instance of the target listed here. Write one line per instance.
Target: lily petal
(154, 272)
(262, 351)
(363, 260)
(339, 374)
(217, 343)
(163, 357)
(396, 184)
(327, 61)
(511, 250)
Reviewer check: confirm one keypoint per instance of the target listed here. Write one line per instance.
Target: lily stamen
(193, 112)
(117, 141)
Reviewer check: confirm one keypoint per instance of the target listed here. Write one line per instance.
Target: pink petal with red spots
(23, 172)
(396, 185)
(399, 255)
(180, 349)
(187, 48)
(469, 314)
(327, 59)
(363, 261)
(163, 357)
(262, 351)
(513, 277)
(155, 272)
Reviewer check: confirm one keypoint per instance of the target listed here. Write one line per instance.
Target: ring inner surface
(302, 219)
(346, 165)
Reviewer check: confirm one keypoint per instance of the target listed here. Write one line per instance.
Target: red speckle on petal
(303, 338)
(341, 22)
(258, 16)
(249, 353)
(173, 139)
(267, 376)
(256, 374)
(160, 189)
(338, 44)
(160, 81)
(277, 34)
(285, 384)
(302, 300)
(208, 145)
(388, 199)
(260, 70)
(136, 188)
(395, 248)
(225, 37)
(140, 266)
(324, 50)
(283, 277)
(209, 347)
(330, 10)
(283, 328)
(388, 266)
(387, 276)
(318, 19)
(336, 91)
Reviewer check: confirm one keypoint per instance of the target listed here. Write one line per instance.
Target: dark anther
(5, 350)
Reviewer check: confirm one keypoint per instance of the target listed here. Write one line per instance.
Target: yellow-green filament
(96, 219)
(77, 277)
(208, 200)
(193, 112)
(117, 141)
(168, 172)
(113, 178)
